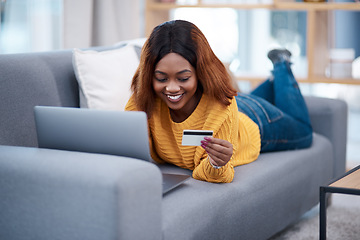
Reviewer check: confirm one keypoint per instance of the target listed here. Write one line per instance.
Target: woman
(181, 84)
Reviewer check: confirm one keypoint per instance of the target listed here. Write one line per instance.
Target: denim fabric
(278, 108)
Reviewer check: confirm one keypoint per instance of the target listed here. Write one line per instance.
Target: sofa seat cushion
(264, 197)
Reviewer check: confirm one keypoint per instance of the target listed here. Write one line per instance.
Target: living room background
(241, 38)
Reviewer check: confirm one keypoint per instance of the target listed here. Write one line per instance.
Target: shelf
(283, 5)
(316, 79)
(321, 79)
(316, 6)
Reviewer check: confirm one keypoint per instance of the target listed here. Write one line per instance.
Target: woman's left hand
(219, 150)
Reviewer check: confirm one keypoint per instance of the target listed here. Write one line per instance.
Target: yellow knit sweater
(226, 122)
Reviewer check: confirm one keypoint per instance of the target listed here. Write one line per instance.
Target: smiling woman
(182, 85)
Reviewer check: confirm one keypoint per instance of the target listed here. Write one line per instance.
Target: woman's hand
(219, 150)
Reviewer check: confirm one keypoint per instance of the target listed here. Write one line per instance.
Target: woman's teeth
(174, 97)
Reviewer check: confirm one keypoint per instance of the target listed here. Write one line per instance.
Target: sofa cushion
(264, 197)
(105, 77)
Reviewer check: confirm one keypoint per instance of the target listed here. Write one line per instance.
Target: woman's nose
(172, 87)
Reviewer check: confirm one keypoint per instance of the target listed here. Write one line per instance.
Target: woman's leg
(265, 90)
(287, 95)
(283, 118)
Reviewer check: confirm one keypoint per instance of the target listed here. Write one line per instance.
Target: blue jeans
(278, 108)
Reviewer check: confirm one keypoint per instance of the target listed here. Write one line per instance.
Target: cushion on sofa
(105, 77)
(264, 197)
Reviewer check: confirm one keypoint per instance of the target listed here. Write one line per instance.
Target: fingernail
(204, 142)
(207, 138)
(203, 146)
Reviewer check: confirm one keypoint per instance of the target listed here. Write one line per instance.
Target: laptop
(122, 133)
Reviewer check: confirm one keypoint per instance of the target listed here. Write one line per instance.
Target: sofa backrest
(329, 118)
(31, 79)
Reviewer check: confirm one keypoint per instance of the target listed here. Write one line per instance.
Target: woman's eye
(183, 79)
(161, 79)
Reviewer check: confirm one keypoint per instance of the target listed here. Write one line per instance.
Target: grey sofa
(53, 194)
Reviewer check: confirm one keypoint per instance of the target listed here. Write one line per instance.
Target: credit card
(194, 137)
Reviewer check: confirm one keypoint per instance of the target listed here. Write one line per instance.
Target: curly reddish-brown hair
(185, 39)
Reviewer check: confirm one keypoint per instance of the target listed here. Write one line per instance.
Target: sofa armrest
(54, 194)
(329, 118)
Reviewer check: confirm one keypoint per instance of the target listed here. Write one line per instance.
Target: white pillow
(105, 77)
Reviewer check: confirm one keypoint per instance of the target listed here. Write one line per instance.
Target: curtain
(101, 22)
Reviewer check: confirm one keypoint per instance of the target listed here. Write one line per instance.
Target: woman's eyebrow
(181, 72)
(160, 72)
(184, 71)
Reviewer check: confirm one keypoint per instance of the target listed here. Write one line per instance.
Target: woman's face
(176, 84)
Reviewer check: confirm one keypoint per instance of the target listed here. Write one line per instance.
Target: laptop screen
(123, 133)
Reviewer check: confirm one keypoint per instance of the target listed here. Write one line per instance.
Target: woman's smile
(174, 98)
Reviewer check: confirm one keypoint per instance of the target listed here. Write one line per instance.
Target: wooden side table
(347, 184)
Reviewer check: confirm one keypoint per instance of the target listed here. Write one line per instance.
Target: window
(30, 25)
